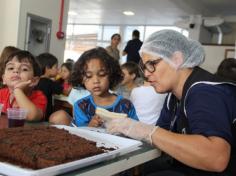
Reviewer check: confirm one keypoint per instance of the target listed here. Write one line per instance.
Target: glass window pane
(103, 44)
(108, 31)
(128, 32)
(69, 30)
(80, 38)
(83, 37)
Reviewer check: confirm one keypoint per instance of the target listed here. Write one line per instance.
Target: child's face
(65, 73)
(53, 71)
(16, 72)
(96, 78)
(128, 78)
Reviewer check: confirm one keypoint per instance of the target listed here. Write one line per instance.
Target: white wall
(195, 32)
(214, 56)
(9, 19)
(48, 9)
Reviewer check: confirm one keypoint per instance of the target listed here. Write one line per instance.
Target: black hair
(23, 55)
(68, 65)
(112, 67)
(227, 69)
(70, 60)
(46, 60)
(136, 33)
(132, 68)
(114, 35)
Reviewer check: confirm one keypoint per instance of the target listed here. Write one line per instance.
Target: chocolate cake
(43, 146)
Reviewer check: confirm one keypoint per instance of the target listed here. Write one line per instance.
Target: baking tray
(122, 145)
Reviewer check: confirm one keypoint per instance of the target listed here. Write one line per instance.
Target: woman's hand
(131, 128)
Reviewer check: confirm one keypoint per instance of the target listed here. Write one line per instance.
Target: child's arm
(96, 121)
(79, 117)
(23, 101)
(132, 113)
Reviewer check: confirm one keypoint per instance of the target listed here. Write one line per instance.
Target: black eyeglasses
(149, 65)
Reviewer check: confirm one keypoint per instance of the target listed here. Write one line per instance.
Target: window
(128, 32)
(80, 38)
(108, 31)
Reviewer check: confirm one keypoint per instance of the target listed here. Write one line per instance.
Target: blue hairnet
(165, 42)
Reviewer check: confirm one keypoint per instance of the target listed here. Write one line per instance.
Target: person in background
(49, 67)
(70, 61)
(227, 69)
(7, 51)
(65, 76)
(132, 48)
(197, 125)
(147, 102)
(131, 79)
(21, 74)
(98, 72)
(112, 49)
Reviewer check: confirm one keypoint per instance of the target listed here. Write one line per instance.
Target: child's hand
(22, 84)
(95, 122)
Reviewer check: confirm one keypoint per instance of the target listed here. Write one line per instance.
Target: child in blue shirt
(98, 73)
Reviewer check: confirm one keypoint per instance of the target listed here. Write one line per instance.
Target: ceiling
(147, 12)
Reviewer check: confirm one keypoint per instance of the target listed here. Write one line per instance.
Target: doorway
(38, 32)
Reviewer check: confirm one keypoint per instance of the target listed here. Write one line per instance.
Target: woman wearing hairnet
(197, 125)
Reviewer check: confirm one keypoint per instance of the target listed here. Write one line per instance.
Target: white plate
(123, 145)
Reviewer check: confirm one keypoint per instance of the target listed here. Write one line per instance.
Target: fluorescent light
(128, 13)
(72, 13)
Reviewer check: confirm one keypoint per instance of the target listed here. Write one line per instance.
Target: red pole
(61, 16)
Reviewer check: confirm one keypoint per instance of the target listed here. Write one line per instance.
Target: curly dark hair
(112, 67)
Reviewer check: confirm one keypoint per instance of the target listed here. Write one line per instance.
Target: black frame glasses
(149, 65)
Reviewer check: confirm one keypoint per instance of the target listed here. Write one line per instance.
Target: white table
(119, 164)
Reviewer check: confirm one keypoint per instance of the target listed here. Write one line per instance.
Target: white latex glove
(131, 128)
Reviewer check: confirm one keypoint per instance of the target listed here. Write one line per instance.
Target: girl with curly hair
(98, 73)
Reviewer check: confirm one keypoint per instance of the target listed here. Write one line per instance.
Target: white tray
(123, 145)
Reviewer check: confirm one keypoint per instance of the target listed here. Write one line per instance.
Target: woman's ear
(177, 59)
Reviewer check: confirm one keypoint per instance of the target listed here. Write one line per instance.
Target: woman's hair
(8, 50)
(46, 60)
(132, 68)
(112, 67)
(227, 69)
(25, 56)
(114, 35)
